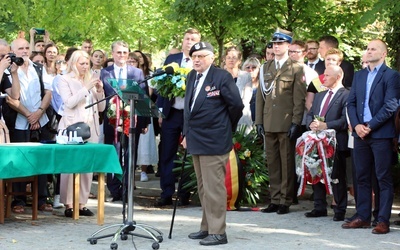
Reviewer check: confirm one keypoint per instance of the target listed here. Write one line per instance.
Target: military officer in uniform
(279, 111)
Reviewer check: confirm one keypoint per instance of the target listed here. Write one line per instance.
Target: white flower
(247, 153)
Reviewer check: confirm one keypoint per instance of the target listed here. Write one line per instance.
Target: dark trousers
(115, 185)
(339, 189)
(26, 136)
(374, 155)
(375, 187)
(171, 131)
(280, 161)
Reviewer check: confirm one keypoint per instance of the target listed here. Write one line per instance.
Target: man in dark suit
(313, 61)
(329, 42)
(280, 104)
(172, 126)
(119, 70)
(372, 104)
(331, 104)
(213, 107)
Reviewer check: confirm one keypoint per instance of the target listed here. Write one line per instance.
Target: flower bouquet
(315, 153)
(252, 158)
(171, 85)
(253, 175)
(122, 116)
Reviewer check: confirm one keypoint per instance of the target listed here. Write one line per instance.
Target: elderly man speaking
(212, 110)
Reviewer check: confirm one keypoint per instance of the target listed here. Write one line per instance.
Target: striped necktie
(195, 88)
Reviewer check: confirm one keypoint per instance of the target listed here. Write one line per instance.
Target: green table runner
(27, 159)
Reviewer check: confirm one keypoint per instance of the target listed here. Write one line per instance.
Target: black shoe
(160, 202)
(374, 223)
(116, 198)
(198, 235)
(338, 217)
(283, 209)
(396, 222)
(214, 239)
(316, 213)
(150, 169)
(68, 212)
(272, 208)
(350, 219)
(85, 212)
(183, 202)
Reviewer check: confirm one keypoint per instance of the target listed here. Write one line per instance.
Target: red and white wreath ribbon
(324, 143)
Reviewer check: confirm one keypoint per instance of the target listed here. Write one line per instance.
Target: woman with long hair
(233, 59)
(78, 89)
(50, 56)
(97, 60)
(252, 65)
(147, 149)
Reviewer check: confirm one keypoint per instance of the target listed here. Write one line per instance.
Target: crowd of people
(279, 94)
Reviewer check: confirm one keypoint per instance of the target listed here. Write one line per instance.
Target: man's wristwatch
(41, 109)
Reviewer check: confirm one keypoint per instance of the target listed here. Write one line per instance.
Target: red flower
(127, 126)
(124, 113)
(300, 148)
(112, 121)
(329, 151)
(237, 146)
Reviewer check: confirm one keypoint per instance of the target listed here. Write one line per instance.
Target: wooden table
(30, 159)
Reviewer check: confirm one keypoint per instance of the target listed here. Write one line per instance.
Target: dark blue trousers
(374, 154)
(171, 130)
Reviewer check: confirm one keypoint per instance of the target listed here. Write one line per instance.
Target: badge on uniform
(213, 93)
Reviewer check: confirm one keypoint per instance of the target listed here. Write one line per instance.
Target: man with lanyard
(280, 106)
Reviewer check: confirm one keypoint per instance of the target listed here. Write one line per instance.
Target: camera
(17, 60)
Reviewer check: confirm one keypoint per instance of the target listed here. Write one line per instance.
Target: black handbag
(52, 125)
(82, 130)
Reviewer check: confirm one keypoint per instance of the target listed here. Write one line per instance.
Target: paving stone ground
(245, 230)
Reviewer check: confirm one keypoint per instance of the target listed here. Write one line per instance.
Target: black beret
(201, 46)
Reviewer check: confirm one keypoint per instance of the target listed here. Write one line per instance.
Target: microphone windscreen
(169, 70)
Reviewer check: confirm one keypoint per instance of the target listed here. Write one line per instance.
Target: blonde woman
(78, 90)
(252, 65)
(233, 59)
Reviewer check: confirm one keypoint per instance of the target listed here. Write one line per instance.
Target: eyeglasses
(60, 61)
(199, 56)
(312, 48)
(251, 67)
(295, 51)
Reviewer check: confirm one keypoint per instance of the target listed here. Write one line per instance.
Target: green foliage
(251, 155)
(249, 150)
(159, 24)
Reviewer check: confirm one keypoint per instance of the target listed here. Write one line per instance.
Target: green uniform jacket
(285, 103)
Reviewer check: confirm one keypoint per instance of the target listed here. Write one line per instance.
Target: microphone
(168, 70)
(159, 72)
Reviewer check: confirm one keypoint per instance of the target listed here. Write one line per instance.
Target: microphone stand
(129, 225)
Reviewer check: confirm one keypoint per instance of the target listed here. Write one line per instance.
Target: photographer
(9, 83)
(31, 118)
